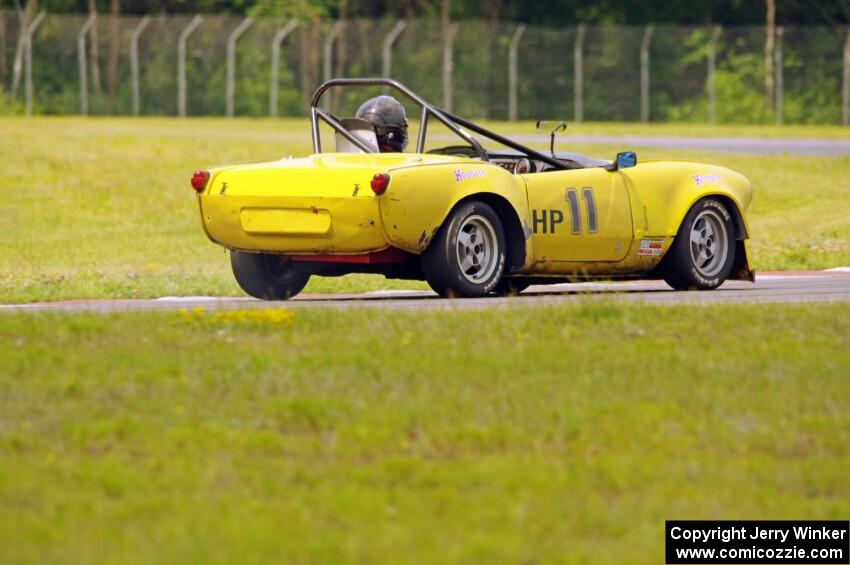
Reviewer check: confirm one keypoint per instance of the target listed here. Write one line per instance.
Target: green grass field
(102, 207)
(548, 435)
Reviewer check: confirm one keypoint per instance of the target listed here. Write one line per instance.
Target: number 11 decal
(575, 209)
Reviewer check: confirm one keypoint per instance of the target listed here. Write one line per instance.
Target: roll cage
(453, 122)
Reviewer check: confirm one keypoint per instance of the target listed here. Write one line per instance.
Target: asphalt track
(739, 145)
(799, 287)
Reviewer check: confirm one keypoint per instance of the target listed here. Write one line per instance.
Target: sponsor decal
(650, 247)
(703, 179)
(461, 175)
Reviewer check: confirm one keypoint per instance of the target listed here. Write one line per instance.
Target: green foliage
(740, 90)
(554, 13)
(8, 106)
(305, 9)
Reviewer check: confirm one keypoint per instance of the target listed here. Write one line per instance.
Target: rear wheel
(267, 276)
(511, 286)
(703, 252)
(467, 257)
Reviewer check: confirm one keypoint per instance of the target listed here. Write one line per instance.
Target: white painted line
(760, 277)
(393, 292)
(197, 298)
(838, 270)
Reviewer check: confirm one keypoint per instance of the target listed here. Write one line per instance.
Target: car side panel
(580, 215)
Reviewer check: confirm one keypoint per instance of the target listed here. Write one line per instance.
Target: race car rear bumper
(293, 224)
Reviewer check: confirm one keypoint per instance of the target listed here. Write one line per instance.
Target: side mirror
(626, 159)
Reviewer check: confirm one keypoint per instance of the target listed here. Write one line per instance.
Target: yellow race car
(470, 220)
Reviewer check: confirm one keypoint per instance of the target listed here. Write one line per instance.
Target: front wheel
(703, 252)
(467, 258)
(267, 276)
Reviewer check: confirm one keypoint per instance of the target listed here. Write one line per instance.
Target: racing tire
(703, 252)
(511, 286)
(267, 276)
(467, 257)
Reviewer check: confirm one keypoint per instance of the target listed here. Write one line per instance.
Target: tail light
(199, 180)
(380, 182)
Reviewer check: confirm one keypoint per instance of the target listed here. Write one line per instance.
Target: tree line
(550, 13)
(744, 76)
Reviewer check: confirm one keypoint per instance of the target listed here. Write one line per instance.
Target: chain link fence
(225, 65)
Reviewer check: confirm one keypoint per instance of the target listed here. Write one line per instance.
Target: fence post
(780, 34)
(387, 53)
(845, 84)
(231, 63)
(181, 64)
(20, 52)
(448, 66)
(710, 79)
(328, 49)
(578, 70)
(512, 71)
(276, 41)
(30, 31)
(81, 61)
(644, 73)
(134, 62)
(2, 46)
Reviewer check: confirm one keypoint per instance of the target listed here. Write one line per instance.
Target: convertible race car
(467, 219)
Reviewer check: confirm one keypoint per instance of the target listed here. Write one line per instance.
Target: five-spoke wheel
(703, 251)
(467, 257)
(477, 249)
(709, 245)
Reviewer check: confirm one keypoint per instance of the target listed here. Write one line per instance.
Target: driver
(387, 116)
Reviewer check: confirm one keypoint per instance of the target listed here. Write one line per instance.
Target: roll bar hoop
(448, 119)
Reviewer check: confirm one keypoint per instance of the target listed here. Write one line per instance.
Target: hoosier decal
(703, 179)
(461, 175)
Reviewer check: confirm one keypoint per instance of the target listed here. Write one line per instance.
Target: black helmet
(388, 117)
